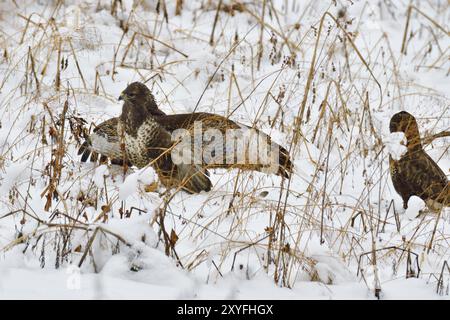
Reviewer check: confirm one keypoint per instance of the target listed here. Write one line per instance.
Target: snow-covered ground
(330, 232)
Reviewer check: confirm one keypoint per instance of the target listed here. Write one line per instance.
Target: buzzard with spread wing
(106, 142)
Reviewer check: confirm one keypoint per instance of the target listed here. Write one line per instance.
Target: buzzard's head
(406, 123)
(136, 93)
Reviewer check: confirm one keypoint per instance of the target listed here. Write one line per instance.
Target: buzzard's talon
(151, 187)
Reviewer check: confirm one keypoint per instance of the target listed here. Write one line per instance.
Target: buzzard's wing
(284, 165)
(423, 177)
(104, 141)
(436, 185)
(209, 121)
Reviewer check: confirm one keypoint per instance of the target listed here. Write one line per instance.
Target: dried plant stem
(408, 17)
(216, 18)
(261, 36)
(78, 65)
(58, 66)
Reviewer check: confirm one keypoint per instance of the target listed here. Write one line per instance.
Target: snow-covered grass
(322, 78)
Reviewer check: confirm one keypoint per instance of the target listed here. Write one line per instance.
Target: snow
(131, 184)
(100, 174)
(396, 144)
(13, 175)
(112, 286)
(254, 235)
(415, 206)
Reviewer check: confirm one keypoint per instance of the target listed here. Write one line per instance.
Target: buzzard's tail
(193, 178)
(85, 150)
(285, 164)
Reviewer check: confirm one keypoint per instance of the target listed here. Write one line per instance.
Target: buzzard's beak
(122, 96)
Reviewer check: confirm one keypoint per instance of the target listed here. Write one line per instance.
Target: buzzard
(415, 173)
(105, 140)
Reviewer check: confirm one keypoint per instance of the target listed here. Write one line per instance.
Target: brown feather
(415, 173)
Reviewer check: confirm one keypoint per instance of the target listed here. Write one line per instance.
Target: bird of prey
(415, 173)
(105, 140)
